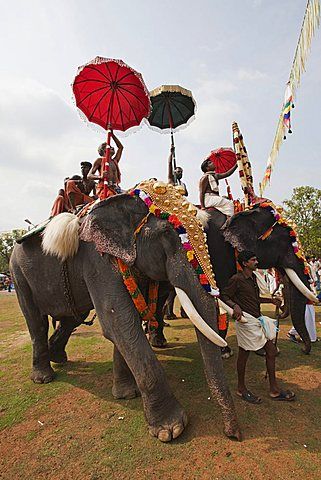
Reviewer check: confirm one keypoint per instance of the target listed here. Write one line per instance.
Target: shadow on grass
(184, 368)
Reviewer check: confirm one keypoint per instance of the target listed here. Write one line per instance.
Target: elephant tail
(61, 236)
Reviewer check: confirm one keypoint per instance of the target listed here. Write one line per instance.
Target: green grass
(71, 428)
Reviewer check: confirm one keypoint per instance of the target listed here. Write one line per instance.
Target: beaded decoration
(296, 244)
(146, 312)
(164, 201)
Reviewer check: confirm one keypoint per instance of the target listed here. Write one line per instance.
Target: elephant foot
(158, 341)
(233, 432)
(125, 391)
(58, 357)
(170, 429)
(45, 375)
(306, 350)
(226, 352)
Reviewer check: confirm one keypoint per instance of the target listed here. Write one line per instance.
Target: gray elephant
(258, 231)
(245, 231)
(90, 279)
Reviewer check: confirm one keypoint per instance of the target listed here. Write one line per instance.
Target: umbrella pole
(105, 163)
(173, 147)
(170, 120)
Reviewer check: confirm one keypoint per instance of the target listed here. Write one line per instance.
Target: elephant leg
(216, 381)
(157, 338)
(124, 383)
(169, 306)
(60, 337)
(38, 327)
(165, 416)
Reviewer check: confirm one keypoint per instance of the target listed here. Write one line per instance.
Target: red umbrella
(223, 158)
(112, 95)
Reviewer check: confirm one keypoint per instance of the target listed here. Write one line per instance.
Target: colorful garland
(176, 223)
(146, 312)
(296, 245)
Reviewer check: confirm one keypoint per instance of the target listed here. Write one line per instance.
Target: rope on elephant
(70, 298)
(146, 311)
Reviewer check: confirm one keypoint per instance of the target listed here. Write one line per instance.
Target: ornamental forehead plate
(165, 198)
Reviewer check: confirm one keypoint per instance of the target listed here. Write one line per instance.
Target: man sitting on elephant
(242, 294)
(209, 191)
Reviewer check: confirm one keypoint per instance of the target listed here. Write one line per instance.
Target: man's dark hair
(245, 256)
(205, 164)
(86, 164)
(75, 177)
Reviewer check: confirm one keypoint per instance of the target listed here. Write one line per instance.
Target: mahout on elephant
(94, 281)
(245, 231)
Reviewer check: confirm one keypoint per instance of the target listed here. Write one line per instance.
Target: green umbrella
(172, 107)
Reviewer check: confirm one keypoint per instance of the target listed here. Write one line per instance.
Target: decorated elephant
(262, 230)
(81, 271)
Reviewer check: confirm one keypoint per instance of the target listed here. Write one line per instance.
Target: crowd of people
(6, 282)
(81, 190)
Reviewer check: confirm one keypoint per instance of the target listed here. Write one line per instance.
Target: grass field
(74, 429)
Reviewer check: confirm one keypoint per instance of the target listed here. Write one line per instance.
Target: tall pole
(170, 119)
(105, 163)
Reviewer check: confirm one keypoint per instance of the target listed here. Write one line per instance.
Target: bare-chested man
(209, 191)
(175, 176)
(113, 175)
(87, 186)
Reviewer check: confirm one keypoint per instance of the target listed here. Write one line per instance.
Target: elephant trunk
(297, 308)
(213, 367)
(204, 306)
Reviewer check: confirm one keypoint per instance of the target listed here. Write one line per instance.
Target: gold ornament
(167, 199)
(160, 187)
(180, 189)
(192, 209)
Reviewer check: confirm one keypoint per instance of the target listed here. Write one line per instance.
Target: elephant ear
(111, 225)
(242, 230)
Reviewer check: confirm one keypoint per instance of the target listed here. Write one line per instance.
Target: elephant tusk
(197, 320)
(293, 276)
(230, 310)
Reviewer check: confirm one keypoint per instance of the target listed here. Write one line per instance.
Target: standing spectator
(242, 294)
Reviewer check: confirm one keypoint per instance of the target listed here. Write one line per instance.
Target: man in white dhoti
(209, 191)
(242, 294)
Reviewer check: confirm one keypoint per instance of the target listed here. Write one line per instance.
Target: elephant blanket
(254, 334)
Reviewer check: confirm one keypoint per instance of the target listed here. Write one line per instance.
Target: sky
(235, 56)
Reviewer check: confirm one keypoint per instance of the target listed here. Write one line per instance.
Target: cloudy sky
(234, 55)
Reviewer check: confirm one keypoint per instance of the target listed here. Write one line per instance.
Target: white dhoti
(254, 334)
(222, 204)
(309, 323)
